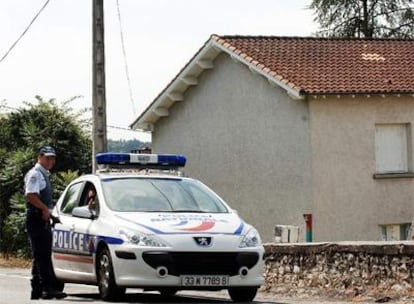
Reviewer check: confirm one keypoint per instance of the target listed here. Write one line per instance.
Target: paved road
(15, 289)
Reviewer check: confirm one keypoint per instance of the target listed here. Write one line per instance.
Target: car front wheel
(108, 289)
(242, 294)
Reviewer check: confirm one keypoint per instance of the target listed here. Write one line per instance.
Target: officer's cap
(47, 151)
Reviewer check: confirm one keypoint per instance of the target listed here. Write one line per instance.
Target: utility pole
(99, 142)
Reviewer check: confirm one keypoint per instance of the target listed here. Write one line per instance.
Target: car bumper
(151, 268)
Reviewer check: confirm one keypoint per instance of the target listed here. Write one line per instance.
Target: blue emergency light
(140, 160)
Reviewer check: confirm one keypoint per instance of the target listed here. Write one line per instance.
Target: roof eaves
(255, 66)
(216, 45)
(200, 59)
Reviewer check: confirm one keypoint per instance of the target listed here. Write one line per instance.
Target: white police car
(153, 231)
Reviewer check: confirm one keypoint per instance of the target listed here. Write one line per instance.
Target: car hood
(181, 223)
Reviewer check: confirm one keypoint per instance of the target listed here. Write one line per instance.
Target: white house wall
(349, 204)
(245, 139)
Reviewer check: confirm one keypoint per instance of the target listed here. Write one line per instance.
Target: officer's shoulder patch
(33, 176)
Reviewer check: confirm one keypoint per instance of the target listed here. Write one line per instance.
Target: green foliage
(45, 123)
(22, 133)
(14, 238)
(61, 180)
(365, 18)
(13, 166)
(125, 145)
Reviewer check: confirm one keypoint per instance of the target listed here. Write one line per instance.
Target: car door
(71, 245)
(84, 236)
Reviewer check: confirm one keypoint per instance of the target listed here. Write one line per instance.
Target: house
(281, 127)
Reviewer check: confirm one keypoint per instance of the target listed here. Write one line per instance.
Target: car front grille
(203, 263)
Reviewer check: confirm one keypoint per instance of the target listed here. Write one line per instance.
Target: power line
(24, 32)
(8, 107)
(125, 59)
(112, 127)
(122, 128)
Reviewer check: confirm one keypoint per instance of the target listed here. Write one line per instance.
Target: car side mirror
(83, 212)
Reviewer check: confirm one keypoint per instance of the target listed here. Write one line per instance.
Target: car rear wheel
(107, 287)
(242, 294)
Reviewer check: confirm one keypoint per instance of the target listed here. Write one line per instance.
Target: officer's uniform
(39, 231)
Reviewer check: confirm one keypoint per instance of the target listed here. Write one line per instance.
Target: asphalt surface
(15, 289)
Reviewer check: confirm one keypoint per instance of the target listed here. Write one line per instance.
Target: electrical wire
(125, 59)
(122, 128)
(8, 108)
(108, 126)
(25, 31)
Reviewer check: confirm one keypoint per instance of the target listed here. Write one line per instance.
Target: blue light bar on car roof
(141, 160)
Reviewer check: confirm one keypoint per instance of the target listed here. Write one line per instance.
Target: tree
(13, 237)
(125, 145)
(47, 123)
(365, 18)
(22, 133)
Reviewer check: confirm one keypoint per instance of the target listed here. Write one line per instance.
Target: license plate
(204, 280)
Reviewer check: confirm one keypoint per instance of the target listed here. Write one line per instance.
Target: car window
(134, 195)
(90, 198)
(204, 200)
(71, 199)
(165, 195)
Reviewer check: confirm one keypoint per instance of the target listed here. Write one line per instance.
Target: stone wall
(345, 270)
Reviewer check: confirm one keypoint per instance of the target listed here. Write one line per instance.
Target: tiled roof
(329, 65)
(300, 65)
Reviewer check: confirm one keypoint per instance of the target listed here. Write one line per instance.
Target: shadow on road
(155, 298)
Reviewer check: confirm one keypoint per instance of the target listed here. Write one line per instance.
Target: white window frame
(395, 232)
(392, 148)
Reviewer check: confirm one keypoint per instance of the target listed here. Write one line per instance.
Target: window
(392, 148)
(70, 200)
(395, 232)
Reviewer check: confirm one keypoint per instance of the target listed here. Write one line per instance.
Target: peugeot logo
(203, 241)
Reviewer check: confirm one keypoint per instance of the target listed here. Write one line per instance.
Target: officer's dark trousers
(40, 236)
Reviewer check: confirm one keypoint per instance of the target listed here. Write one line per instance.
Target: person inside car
(92, 200)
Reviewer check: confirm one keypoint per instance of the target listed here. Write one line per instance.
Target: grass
(14, 262)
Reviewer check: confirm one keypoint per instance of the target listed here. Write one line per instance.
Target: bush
(14, 240)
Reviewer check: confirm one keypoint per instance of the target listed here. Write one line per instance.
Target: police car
(152, 229)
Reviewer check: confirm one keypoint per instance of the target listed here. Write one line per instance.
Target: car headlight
(251, 239)
(140, 239)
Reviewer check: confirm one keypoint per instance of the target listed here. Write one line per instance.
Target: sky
(54, 58)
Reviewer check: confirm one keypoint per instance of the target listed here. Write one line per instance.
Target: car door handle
(72, 228)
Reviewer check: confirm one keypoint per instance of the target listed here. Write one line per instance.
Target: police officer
(38, 193)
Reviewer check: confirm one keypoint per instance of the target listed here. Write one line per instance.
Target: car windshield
(160, 195)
